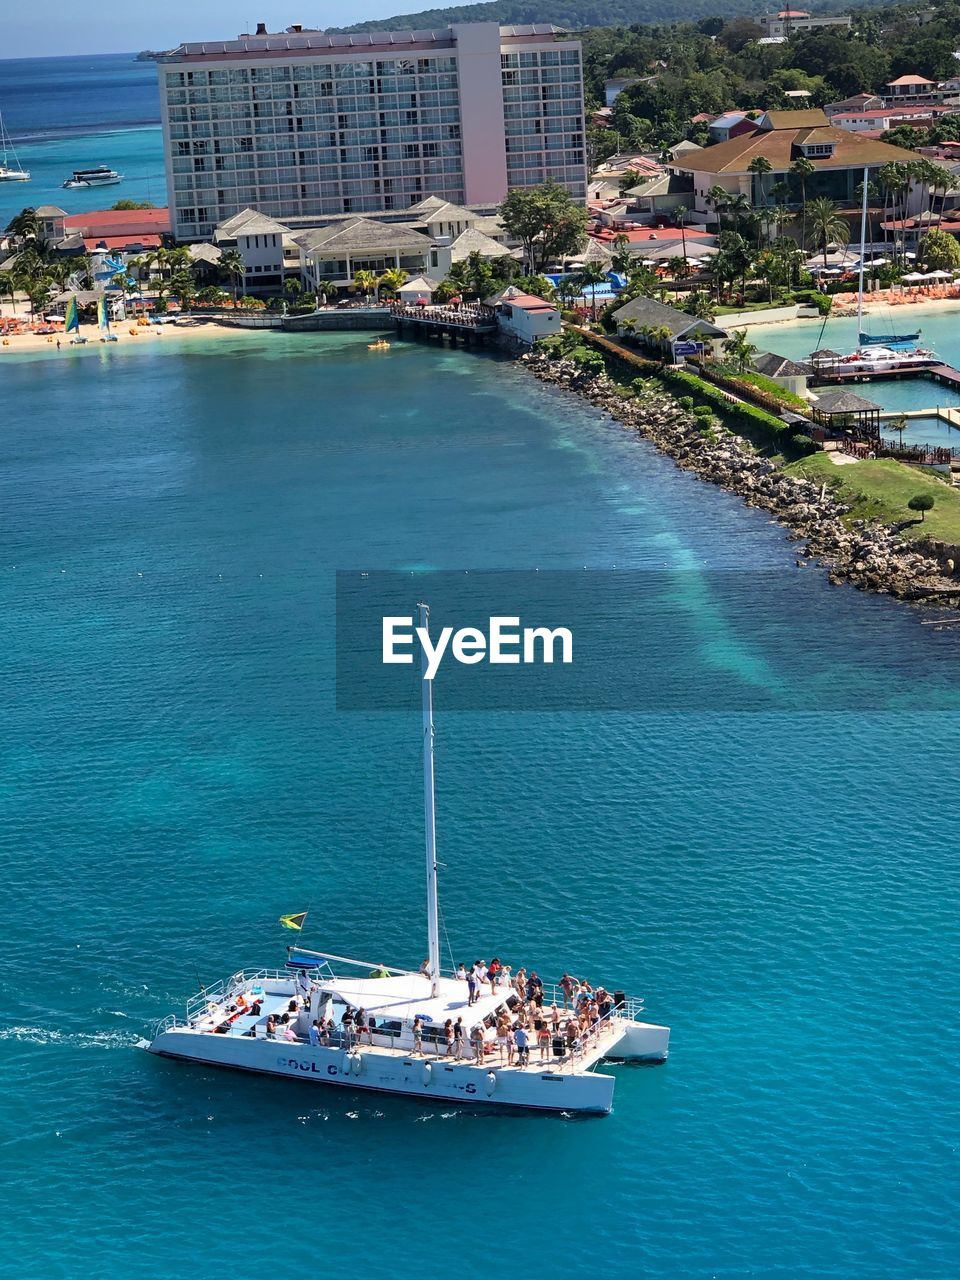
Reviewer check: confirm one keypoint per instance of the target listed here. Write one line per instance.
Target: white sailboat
(10, 172)
(386, 1031)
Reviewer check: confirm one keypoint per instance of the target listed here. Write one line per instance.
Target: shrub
(588, 361)
(802, 444)
(702, 411)
(922, 503)
(686, 402)
(756, 424)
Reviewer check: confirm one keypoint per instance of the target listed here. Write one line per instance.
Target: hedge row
(758, 425)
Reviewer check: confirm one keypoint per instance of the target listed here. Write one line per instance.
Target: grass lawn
(880, 488)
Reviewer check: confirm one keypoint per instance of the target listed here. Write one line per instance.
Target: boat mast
(429, 816)
(863, 241)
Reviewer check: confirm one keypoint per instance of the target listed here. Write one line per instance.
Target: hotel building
(304, 124)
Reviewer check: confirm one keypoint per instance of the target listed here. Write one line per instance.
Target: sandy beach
(125, 332)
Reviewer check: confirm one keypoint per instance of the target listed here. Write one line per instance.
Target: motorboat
(101, 176)
(879, 359)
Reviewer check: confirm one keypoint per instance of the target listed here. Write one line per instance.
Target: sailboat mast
(863, 241)
(429, 816)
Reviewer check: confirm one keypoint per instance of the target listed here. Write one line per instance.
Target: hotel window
(246, 144)
(183, 148)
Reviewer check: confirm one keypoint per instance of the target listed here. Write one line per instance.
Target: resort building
(268, 248)
(666, 329)
(781, 137)
(333, 254)
(779, 26)
(524, 317)
(304, 124)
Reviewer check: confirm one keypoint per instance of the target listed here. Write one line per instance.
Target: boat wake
(76, 1039)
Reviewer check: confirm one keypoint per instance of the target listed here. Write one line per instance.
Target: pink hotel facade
(303, 124)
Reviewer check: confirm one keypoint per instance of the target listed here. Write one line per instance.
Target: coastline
(868, 555)
(24, 343)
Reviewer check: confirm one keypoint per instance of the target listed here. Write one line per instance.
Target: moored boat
(14, 172)
(417, 1034)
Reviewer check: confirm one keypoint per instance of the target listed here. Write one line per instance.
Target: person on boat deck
(472, 985)
(379, 972)
(476, 1038)
(566, 986)
(448, 1037)
(360, 1021)
(461, 974)
(522, 1040)
(303, 985)
(315, 1033)
(535, 990)
(458, 1039)
(493, 970)
(289, 1032)
(425, 968)
(271, 1027)
(418, 1035)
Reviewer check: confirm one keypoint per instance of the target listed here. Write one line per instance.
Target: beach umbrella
(939, 275)
(913, 277)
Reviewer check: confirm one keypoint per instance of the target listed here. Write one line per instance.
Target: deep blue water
(71, 113)
(783, 888)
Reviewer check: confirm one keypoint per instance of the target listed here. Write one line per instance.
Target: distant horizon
(26, 36)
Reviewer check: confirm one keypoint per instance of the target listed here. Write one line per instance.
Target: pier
(471, 323)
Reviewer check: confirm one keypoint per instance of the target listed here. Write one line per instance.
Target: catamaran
(368, 1027)
(101, 176)
(10, 172)
(892, 342)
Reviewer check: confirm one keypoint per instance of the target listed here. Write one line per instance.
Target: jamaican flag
(293, 922)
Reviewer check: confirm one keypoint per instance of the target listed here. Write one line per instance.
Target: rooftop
(832, 402)
(292, 42)
(908, 80)
(362, 234)
(249, 222)
(647, 311)
(117, 222)
(522, 301)
(473, 241)
(49, 211)
(774, 366)
(850, 150)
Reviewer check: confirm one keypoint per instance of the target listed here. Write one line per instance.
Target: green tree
(184, 286)
(233, 268)
(591, 275)
(365, 282)
(547, 221)
(133, 204)
(391, 281)
(923, 502)
(740, 349)
(826, 225)
(25, 224)
(621, 259)
(938, 251)
(8, 288)
(760, 166)
(802, 169)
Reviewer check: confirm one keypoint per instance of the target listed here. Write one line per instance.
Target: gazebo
(844, 411)
(419, 287)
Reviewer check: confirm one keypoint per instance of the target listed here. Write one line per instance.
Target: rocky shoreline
(868, 555)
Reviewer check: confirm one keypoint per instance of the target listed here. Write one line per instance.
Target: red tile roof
(115, 222)
(909, 80)
(90, 243)
(850, 150)
(527, 302)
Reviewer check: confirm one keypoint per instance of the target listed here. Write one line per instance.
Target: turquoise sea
(783, 887)
(72, 113)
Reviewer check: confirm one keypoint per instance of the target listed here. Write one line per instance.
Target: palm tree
(233, 266)
(740, 348)
(827, 225)
(738, 205)
(681, 212)
(25, 224)
(292, 288)
(760, 166)
(589, 277)
(719, 198)
(184, 286)
(699, 304)
(621, 258)
(802, 169)
(392, 280)
(8, 286)
(365, 282)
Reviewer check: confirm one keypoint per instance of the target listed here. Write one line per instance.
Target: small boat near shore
(101, 176)
(391, 1030)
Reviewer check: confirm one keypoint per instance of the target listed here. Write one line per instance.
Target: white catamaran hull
(367, 1069)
